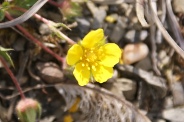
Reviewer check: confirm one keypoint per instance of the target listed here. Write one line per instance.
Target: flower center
(90, 59)
(90, 55)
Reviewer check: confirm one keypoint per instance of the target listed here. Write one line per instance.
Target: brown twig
(166, 35)
(154, 49)
(25, 16)
(35, 40)
(49, 23)
(174, 25)
(12, 77)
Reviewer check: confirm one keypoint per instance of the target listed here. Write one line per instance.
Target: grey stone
(159, 120)
(143, 35)
(178, 93)
(130, 35)
(168, 103)
(119, 29)
(44, 29)
(99, 14)
(99, 18)
(83, 24)
(50, 72)
(178, 6)
(144, 64)
(174, 114)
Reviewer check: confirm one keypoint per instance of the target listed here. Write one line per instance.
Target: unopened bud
(28, 110)
(70, 9)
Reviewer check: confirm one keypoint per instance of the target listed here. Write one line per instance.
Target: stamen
(87, 60)
(93, 68)
(88, 68)
(83, 64)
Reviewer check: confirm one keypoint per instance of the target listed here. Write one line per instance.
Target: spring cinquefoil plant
(93, 58)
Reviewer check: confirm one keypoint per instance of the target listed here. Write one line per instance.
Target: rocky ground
(147, 85)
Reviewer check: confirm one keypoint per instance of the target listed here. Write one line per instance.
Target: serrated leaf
(5, 55)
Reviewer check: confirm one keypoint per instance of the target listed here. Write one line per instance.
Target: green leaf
(3, 8)
(24, 3)
(5, 55)
(1, 14)
(5, 4)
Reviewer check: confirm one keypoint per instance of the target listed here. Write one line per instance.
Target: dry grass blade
(166, 35)
(25, 16)
(99, 105)
(140, 12)
(108, 1)
(174, 24)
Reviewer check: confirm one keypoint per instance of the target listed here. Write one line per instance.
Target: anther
(87, 60)
(88, 68)
(93, 68)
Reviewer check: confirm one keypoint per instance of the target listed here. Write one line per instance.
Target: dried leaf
(99, 105)
(158, 83)
(140, 13)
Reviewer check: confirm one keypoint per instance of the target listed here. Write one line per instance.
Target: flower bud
(70, 9)
(28, 110)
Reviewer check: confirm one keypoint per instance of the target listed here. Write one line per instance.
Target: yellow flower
(93, 58)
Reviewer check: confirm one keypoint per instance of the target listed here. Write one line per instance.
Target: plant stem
(12, 77)
(48, 22)
(24, 31)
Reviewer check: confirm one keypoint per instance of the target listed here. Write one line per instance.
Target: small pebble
(111, 18)
(134, 52)
(143, 35)
(44, 29)
(130, 35)
(178, 6)
(50, 72)
(119, 30)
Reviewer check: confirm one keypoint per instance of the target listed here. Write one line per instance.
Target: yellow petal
(93, 38)
(112, 54)
(74, 54)
(102, 73)
(68, 118)
(82, 74)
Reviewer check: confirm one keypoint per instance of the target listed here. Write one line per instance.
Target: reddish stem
(12, 77)
(24, 31)
(70, 41)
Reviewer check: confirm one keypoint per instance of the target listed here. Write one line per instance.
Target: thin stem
(12, 77)
(46, 21)
(24, 31)
(25, 16)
